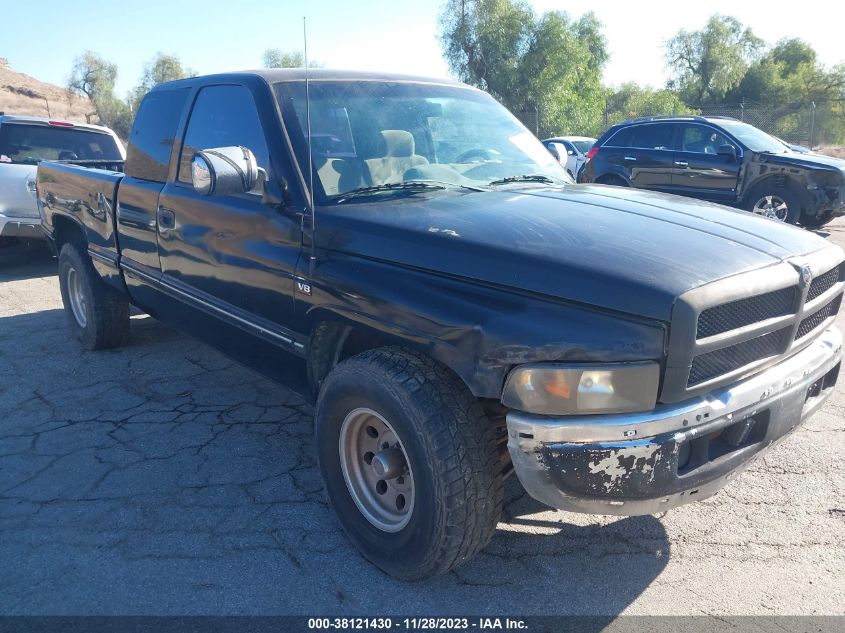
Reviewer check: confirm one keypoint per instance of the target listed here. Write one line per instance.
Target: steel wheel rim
(773, 207)
(367, 441)
(76, 296)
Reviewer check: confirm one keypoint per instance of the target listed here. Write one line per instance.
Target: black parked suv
(722, 160)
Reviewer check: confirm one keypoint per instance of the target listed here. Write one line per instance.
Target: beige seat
(339, 175)
(398, 157)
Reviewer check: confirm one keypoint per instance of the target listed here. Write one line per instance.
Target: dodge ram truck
(406, 254)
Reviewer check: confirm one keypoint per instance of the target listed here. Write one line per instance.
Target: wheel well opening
(775, 181)
(333, 342)
(610, 179)
(67, 231)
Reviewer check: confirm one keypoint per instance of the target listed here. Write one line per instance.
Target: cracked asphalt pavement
(162, 478)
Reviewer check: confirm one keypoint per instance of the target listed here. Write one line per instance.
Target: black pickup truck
(420, 266)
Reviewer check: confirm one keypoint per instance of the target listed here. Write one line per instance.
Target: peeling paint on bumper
(677, 453)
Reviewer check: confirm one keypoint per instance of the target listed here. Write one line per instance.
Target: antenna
(310, 196)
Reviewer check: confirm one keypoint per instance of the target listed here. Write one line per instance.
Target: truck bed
(70, 193)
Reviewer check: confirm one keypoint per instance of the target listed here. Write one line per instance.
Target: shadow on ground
(25, 260)
(164, 479)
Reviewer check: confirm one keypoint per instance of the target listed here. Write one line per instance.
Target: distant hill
(22, 94)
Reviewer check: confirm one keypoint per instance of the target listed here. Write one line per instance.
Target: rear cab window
(30, 143)
(153, 134)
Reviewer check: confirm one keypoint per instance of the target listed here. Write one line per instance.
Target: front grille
(810, 323)
(822, 284)
(725, 360)
(737, 314)
(709, 341)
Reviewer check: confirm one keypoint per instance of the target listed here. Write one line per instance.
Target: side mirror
(727, 150)
(570, 153)
(224, 171)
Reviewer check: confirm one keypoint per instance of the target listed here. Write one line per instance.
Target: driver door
(229, 255)
(699, 170)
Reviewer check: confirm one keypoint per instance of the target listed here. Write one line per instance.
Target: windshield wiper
(390, 186)
(449, 185)
(524, 178)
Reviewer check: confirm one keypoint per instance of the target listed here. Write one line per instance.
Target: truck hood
(620, 249)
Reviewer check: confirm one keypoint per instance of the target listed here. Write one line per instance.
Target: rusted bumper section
(646, 463)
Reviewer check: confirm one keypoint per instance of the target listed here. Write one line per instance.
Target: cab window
(223, 116)
(702, 139)
(153, 133)
(654, 136)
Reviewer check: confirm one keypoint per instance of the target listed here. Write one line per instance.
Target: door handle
(631, 158)
(682, 163)
(166, 219)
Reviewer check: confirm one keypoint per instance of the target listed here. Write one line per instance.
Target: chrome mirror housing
(224, 171)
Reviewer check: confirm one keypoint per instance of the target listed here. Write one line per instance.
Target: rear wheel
(774, 202)
(410, 462)
(98, 316)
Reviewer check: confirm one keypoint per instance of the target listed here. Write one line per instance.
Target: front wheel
(775, 203)
(410, 462)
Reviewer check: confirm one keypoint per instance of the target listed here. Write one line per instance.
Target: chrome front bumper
(644, 463)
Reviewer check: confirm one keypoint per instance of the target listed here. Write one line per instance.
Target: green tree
(277, 58)
(545, 64)
(159, 69)
(709, 63)
(789, 79)
(94, 77)
(632, 100)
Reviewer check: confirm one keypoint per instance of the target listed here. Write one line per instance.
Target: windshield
(754, 139)
(584, 146)
(28, 144)
(368, 134)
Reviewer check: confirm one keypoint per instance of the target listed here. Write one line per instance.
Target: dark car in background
(721, 160)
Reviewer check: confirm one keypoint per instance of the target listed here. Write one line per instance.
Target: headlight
(552, 389)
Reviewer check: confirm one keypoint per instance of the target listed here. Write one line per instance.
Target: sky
(381, 35)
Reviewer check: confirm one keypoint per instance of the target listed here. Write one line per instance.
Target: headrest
(398, 143)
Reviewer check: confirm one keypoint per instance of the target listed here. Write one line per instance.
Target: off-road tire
(451, 448)
(793, 202)
(107, 311)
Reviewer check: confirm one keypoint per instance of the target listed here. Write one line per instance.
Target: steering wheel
(473, 156)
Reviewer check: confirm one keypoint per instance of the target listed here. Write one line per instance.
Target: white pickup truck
(27, 140)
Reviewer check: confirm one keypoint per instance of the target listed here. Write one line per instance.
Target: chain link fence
(794, 123)
(807, 123)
